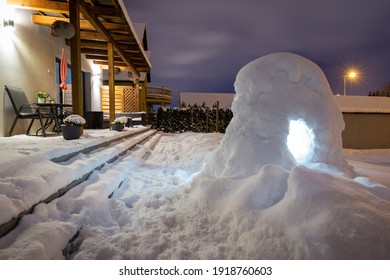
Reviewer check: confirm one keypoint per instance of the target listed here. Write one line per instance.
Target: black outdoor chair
(24, 110)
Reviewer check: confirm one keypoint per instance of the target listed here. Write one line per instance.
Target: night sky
(200, 45)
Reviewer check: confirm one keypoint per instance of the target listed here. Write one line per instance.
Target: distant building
(367, 121)
(209, 98)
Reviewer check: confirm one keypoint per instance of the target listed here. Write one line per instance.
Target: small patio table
(59, 109)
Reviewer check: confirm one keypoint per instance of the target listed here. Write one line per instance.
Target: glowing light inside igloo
(300, 141)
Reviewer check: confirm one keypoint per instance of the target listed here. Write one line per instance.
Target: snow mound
(276, 94)
(271, 198)
(301, 214)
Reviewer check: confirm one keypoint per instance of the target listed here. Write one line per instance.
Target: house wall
(366, 131)
(27, 60)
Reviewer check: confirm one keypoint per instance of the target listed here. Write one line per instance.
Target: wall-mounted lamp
(117, 70)
(61, 28)
(7, 14)
(8, 23)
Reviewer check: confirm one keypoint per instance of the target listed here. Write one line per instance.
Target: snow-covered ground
(156, 214)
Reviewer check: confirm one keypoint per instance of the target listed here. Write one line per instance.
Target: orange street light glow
(352, 74)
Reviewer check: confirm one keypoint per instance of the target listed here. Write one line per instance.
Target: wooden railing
(159, 93)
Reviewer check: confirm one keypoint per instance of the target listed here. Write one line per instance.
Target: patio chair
(24, 110)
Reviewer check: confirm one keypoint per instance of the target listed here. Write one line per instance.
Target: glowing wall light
(6, 14)
(8, 23)
(300, 141)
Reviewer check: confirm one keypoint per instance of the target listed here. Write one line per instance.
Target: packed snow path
(138, 208)
(24, 183)
(103, 205)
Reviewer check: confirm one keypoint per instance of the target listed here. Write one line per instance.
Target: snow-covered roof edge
(129, 21)
(346, 104)
(139, 29)
(363, 104)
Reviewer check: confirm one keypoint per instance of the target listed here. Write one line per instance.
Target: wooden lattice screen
(129, 98)
(125, 99)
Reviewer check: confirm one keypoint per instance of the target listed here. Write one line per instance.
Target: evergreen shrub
(194, 118)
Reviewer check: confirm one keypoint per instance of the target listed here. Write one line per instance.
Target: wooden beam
(41, 5)
(88, 13)
(106, 11)
(125, 38)
(94, 51)
(87, 44)
(116, 64)
(102, 57)
(77, 100)
(49, 20)
(119, 64)
(111, 81)
(94, 44)
(91, 35)
(84, 24)
(61, 7)
(124, 68)
(132, 52)
(120, 38)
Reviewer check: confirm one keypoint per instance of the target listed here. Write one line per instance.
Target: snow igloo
(284, 114)
(278, 186)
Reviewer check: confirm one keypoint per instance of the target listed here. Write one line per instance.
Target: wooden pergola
(103, 32)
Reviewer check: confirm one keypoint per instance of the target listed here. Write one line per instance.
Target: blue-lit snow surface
(158, 214)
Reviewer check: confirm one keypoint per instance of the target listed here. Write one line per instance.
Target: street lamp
(352, 74)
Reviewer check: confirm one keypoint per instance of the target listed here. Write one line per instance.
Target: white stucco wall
(27, 60)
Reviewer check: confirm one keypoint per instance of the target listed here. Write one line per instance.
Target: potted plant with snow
(41, 96)
(72, 128)
(119, 123)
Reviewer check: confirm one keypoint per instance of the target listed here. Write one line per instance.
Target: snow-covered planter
(117, 126)
(121, 120)
(119, 123)
(72, 127)
(74, 120)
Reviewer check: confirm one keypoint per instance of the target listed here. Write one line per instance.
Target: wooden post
(142, 96)
(217, 117)
(75, 54)
(137, 76)
(111, 81)
(207, 119)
